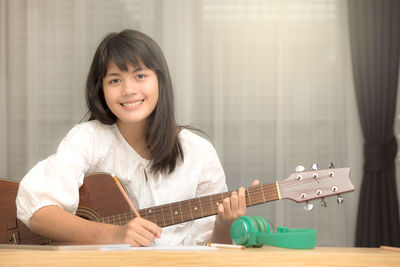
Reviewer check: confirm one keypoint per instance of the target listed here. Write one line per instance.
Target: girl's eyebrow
(117, 74)
(138, 69)
(112, 74)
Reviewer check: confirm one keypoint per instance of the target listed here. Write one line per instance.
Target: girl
(132, 133)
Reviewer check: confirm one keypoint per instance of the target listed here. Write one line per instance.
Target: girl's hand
(234, 207)
(138, 232)
(229, 210)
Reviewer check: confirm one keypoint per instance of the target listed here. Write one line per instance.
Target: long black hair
(136, 48)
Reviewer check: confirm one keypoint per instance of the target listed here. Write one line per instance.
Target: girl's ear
(99, 84)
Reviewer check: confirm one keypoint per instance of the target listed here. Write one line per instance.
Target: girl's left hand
(233, 207)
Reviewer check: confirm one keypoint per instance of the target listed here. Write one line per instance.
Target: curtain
(268, 81)
(3, 90)
(375, 47)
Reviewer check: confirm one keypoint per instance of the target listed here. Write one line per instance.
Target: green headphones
(255, 231)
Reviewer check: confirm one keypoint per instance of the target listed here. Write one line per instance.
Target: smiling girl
(132, 133)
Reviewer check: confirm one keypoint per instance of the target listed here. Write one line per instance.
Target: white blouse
(94, 147)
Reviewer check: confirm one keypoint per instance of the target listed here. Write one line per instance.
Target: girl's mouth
(132, 104)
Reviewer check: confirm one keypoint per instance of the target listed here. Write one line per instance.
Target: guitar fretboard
(196, 208)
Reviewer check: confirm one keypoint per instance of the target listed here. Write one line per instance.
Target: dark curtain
(374, 27)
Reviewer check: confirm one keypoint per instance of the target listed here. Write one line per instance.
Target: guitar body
(12, 230)
(99, 197)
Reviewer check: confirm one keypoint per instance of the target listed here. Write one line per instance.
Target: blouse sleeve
(212, 182)
(56, 180)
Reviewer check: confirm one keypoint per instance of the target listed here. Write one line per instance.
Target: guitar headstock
(303, 186)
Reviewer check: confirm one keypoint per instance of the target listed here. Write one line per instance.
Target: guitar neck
(196, 208)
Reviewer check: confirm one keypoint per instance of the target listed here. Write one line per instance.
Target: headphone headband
(255, 231)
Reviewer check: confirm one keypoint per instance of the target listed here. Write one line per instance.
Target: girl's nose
(129, 87)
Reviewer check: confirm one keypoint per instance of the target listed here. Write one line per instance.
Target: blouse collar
(143, 161)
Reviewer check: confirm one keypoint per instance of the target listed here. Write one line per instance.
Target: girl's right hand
(138, 232)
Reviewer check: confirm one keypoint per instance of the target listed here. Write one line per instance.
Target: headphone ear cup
(253, 222)
(241, 229)
(262, 224)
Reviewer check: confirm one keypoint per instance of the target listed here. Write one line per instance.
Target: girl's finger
(242, 200)
(221, 212)
(227, 207)
(255, 182)
(150, 226)
(142, 240)
(234, 204)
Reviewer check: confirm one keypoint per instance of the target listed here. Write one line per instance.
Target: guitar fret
(184, 211)
(212, 206)
(176, 214)
(248, 195)
(162, 213)
(179, 203)
(195, 208)
(216, 200)
(190, 208)
(167, 215)
(172, 214)
(205, 205)
(262, 191)
(154, 215)
(255, 195)
(201, 208)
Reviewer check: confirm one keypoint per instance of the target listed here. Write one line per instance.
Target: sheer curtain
(269, 81)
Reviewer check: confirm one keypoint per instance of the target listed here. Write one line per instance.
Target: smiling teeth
(132, 104)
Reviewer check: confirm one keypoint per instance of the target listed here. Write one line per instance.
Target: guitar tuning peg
(300, 168)
(340, 199)
(315, 167)
(331, 166)
(324, 203)
(308, 206)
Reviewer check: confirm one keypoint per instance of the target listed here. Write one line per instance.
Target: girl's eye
(140, 76)
(115, 81)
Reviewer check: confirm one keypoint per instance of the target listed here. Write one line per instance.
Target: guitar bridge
(13, 239)
(10, 227)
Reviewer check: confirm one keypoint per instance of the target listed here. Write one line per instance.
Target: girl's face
(132, 95)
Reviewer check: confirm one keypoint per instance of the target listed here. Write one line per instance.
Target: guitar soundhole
(87, 213)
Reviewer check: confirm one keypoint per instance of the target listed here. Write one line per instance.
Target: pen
(216, 245)
(126, 196)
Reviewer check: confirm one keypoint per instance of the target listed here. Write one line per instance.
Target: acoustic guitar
(102, 201)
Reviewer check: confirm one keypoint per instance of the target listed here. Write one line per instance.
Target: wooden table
(265, 256)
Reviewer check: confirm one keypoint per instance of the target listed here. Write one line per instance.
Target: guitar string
(159, 208)
(287, 185)
(310, 179)
(250, 191)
